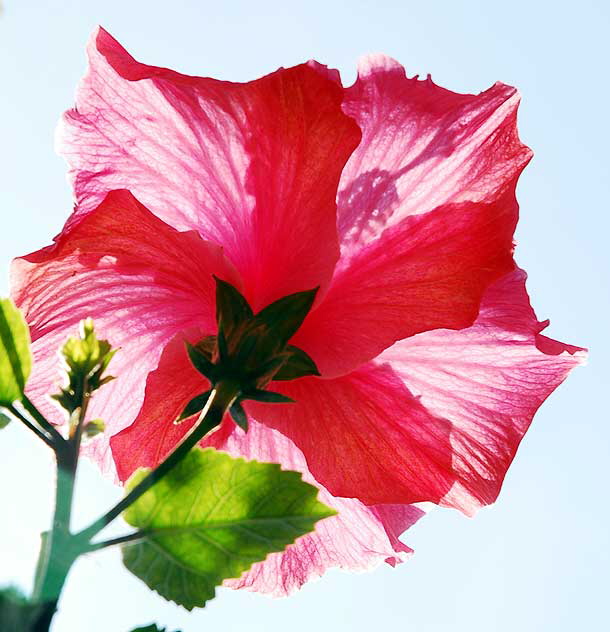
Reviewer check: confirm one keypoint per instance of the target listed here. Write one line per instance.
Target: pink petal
(359, 538)
(427, 272)
(139, 279)
(254, 167)
(422, 147)
(488, 380)
(452, 160)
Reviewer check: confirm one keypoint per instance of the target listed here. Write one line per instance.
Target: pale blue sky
(536, 561)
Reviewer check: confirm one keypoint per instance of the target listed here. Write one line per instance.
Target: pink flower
(395, 196)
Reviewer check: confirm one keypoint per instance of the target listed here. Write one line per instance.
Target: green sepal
(250, 349)
(207, 346)
(284, 316)
(298, 364)
(221, 341)
(269, 397)
(66, 399)
(196, 405)
(232, 309)
(5, 420)
(15, 354)
(201, 362)
(239, 416)
(212, 517)
(269, 369)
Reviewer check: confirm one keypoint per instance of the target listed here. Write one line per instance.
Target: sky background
(538, 560)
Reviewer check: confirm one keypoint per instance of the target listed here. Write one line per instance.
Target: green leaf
(15, 355)
(299, 364)
(4, 421)
(211, 518)
(286, 315)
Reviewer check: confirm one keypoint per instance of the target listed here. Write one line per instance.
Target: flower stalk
(220, 400)
(33, 427)
(44, 424)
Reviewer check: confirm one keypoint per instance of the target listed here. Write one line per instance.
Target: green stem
(60, 548)
(130, 537)
(39, 433)
(76, 433)
(40, 418)
(220, 400)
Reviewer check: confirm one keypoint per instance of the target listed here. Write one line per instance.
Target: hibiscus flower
(394, 196)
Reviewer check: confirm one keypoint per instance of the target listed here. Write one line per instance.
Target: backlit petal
(427, 272)
(488, 380)
(437, 417)
(422, 147)
(254, 167)
(139, 279)
(452, 161)
(365, 436)
(153, 435)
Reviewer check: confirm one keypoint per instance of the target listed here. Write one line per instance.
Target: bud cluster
(86, 359)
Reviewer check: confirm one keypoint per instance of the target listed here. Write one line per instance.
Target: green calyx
(251, 349)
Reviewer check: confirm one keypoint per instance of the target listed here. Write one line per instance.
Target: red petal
(438, 416)
(428, 272)
(488, 380)
(365, 436)
(139, 279)
(153, 435)
(254, 167)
